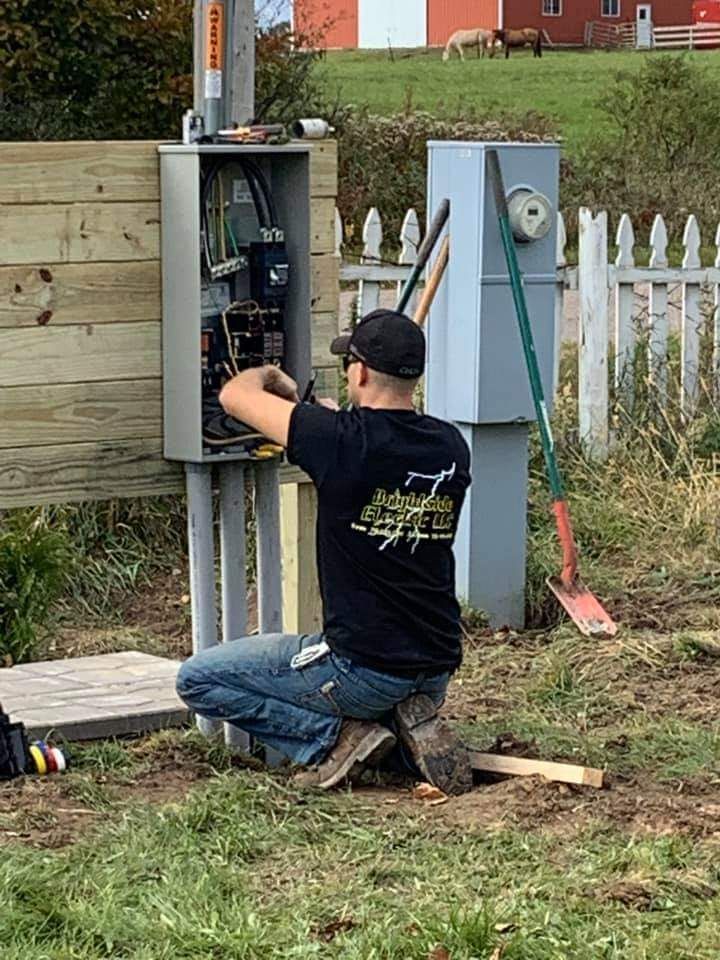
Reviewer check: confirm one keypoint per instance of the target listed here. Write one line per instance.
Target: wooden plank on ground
(519, 767)
(79, 171)
(69, 293)
(44, 234)
(325, 283)
(75, 354)
(80, 412)
(323, 169)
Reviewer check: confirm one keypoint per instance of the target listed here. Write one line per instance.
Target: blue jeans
(251, 684)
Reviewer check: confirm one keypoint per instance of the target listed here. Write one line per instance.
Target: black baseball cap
(387, 341)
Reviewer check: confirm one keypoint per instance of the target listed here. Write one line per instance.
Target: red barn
(419, 23)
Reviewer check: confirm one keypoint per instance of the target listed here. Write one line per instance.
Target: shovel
(583, 607)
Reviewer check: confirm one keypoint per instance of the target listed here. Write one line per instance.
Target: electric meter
(530, 215)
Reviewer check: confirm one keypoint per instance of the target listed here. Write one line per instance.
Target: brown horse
(527, 37)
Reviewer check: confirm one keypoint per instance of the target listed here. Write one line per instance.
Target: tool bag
(14, 753)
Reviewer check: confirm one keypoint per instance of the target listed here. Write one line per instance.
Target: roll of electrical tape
(59, 756)
(39, 760)
(49, 756)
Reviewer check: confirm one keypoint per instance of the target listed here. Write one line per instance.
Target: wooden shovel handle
(431, 287)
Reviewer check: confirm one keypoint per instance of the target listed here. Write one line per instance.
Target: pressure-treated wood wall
(80, 309)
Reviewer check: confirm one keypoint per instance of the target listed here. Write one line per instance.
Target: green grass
(245, 868)
(563, 85)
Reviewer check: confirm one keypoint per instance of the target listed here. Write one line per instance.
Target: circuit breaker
(236, 284)
(476, 367)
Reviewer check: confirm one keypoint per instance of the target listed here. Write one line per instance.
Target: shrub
(35, 562)
(383, 160)
(663, 152)
(114, 69)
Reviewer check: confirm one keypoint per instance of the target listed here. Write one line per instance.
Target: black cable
(266, 191)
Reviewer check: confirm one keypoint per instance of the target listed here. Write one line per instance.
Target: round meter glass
(530, 215)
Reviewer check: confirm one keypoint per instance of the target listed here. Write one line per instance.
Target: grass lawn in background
(564, 85)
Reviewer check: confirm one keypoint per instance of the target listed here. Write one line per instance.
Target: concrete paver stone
(90, 697)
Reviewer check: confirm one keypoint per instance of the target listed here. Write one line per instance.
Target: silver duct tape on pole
(201, 551)
(269, 569)
(233, 571)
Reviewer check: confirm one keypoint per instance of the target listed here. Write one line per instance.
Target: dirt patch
(50, 812)
(637, 806)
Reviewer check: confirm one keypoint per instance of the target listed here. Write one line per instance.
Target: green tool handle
(528, 342)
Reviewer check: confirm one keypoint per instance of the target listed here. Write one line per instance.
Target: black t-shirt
(391, 484)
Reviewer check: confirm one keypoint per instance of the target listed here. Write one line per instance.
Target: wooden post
(593, 379)
(302, 608)
(691, 323)
(369, 290)
(624, 323)
(658, 323)
(409, 245)
(240, 101)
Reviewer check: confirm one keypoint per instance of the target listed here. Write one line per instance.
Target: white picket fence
(621, 306)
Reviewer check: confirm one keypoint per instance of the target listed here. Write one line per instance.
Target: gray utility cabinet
(477, 371)
(189, 299)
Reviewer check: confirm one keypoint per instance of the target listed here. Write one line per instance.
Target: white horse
(481, 40)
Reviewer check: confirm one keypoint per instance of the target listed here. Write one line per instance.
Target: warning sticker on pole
(214, 37)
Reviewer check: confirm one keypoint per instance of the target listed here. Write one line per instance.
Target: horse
(527, 37)
(477, 37)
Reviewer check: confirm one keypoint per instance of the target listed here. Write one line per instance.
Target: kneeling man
(391, 483)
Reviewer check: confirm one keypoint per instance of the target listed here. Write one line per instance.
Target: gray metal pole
(228, 96)
(232, 568)
(269, 570)
(490, 549)
(201, 551)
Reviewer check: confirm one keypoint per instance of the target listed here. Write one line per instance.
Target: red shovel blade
(583, 608)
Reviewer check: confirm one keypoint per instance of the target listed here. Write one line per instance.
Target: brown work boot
(360, 743)
(441, 757)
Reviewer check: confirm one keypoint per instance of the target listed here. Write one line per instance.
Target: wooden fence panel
(80, 308)
(65, 413)
(691, 324)
(70, 293)
(624, 321)
(593, 379)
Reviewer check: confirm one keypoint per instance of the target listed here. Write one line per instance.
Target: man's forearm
(262, 397)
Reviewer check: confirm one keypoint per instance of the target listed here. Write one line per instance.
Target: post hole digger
(582, 606)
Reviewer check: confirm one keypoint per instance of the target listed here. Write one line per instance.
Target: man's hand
(280, 383)
(329, 403)
(264, 398)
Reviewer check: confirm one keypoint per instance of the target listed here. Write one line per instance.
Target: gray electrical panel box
(476, 367)
(236, 284)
